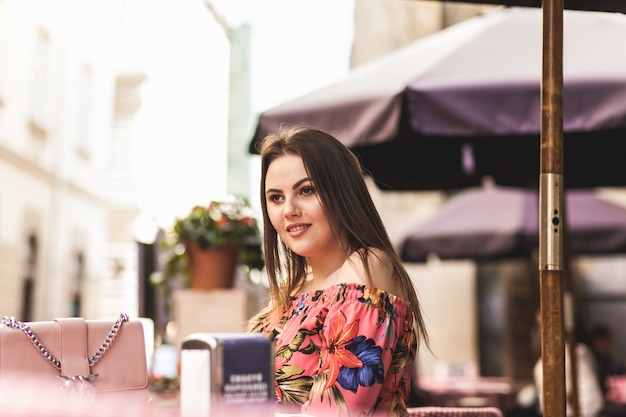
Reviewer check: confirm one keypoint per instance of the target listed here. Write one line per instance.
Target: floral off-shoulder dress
(346, 350)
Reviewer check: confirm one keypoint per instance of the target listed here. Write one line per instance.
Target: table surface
(497, 385)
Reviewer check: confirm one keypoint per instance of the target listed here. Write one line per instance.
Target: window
(40, 82)
(30, 269)
(84, 111)
(77, 284)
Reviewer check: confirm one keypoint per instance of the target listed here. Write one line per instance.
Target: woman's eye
(275, 198)
(307, 190)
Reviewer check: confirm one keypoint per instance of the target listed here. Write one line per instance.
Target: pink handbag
(92, 359)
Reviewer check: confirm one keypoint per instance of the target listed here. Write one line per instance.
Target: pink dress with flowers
(346, 350)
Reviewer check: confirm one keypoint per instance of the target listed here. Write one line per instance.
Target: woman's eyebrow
(297, 184)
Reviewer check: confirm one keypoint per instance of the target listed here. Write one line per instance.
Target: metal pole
(551, 223)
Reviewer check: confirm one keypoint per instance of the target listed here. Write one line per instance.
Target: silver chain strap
(16, 324)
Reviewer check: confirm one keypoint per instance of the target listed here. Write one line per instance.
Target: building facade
(66, 108)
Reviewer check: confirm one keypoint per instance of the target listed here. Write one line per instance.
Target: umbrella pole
(569, 319)
(551, 210)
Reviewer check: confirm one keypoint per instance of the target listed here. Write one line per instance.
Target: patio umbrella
(493, 222)
(465, 102)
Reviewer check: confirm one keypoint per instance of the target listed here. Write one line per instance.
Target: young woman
(343, 313)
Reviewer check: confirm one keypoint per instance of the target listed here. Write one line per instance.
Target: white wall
(447, 294)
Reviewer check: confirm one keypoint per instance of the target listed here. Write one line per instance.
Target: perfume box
(226, 374)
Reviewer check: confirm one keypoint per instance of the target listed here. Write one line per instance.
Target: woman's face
(294, 208)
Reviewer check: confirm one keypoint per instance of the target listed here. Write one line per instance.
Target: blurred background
(118, 116)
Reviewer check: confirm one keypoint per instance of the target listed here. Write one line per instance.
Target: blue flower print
(372, 370)
(300, 305)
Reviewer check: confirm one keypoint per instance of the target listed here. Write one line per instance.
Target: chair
(432, 411)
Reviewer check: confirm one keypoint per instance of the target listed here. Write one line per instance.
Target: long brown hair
(338, 176)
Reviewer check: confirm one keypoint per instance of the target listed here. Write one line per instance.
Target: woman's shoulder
(380, 272)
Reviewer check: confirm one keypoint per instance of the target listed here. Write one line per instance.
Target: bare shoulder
(381, 272)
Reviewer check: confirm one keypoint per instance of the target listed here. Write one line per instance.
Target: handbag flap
(122, 367)
(74, 357)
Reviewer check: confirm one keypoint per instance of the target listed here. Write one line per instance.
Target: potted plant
(203, 248)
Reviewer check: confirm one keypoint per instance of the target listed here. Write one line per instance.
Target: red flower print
(334, 351)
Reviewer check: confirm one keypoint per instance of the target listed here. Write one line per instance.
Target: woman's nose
(291, 208)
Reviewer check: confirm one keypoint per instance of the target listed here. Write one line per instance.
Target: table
(469, 391)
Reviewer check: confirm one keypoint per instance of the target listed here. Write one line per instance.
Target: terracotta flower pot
(211, 268)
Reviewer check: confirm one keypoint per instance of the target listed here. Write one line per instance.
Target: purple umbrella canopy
(493, 222)
(463, 103)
